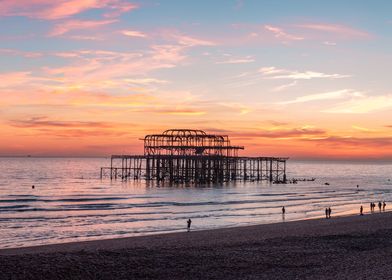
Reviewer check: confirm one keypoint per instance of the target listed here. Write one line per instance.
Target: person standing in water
(189, 222)
(326, 213)
(379, 205)
(329, 212)
(283, 210)
(361, 210)
(383, 206)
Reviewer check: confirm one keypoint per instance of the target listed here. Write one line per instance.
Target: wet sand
(354, 247)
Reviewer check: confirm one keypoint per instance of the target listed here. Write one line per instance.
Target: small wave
(38, 199)
(2, 208)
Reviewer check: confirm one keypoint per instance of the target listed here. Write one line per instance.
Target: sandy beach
(354, 247)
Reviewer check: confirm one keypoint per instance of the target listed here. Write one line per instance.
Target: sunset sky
(303, 79)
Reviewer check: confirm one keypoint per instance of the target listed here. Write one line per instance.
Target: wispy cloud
(285, 86)
(133, 33)
(334, 28)
(355, 142)
(48, 127)
(331, 95)
(279, 33)
(362, 104)
(97, 70)
(363, 129)
(70, 25)
(328, 43)
(186, 40)
(299, 132)
(52, 10)
(236, 60)
(44, 121)
(26, 54)
(237, 107)
(192, 41)
(178, 111)
(16, 79)
(277, 73)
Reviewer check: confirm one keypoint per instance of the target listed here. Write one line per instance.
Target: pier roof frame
(189, 142)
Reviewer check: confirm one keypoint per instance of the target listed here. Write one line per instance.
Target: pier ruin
(193, 156)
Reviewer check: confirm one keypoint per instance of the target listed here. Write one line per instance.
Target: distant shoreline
(295, 159)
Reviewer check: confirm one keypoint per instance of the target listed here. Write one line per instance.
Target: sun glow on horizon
(90, 78)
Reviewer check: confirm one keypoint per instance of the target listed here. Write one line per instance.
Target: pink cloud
(71, 25)
(20, 53)
(334, 28)
(167, 53)
(184, 39)
(191, 41)
(50, 10)
(12, 79)
(281, 34)
(133, 33)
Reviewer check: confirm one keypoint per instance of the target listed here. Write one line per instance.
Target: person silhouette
(283, 210)
(329, 212)
(383, 206)
(379, 205)
(326, 213)
(361, 210)
(189, 222)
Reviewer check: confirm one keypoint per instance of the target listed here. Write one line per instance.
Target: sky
(296, 78)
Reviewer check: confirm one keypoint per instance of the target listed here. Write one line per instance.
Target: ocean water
(70, 202)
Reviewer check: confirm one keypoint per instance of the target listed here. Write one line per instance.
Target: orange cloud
(46, 122)
(179, 112)
(281, 133)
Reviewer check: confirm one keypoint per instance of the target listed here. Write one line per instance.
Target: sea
(69, 201)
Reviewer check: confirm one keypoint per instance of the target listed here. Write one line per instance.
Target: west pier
(193, 156)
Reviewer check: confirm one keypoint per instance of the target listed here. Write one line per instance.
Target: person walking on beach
(326, 213)
(383, 206)
(379, 205)
(361, 210)
(283, 210)
(189, 222)
(371, 206)
(329, 212)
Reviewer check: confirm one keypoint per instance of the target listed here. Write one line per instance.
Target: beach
(353, 247)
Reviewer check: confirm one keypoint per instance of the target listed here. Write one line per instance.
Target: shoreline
(97, 242)
(349, 247)
(271, 229)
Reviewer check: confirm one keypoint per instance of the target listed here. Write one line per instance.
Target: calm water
(70, 203)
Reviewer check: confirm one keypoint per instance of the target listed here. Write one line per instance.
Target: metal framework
(185, 155)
